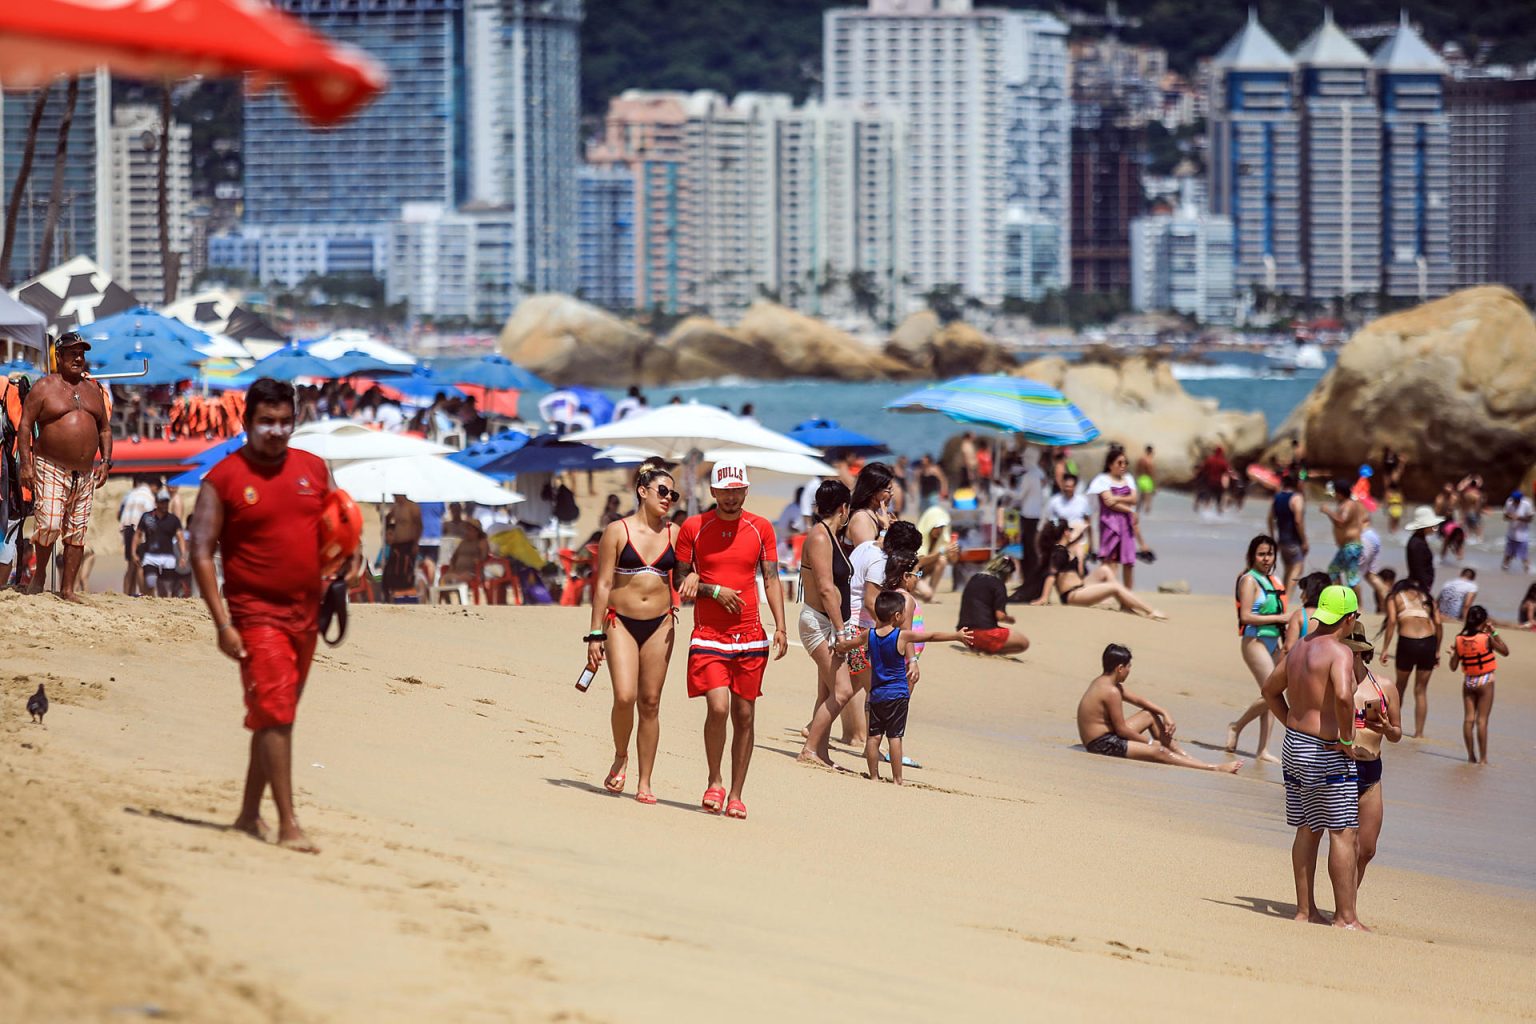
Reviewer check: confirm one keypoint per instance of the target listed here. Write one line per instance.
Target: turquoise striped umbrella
(1013, 404)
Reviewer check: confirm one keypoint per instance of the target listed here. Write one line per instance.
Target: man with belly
(72, 421)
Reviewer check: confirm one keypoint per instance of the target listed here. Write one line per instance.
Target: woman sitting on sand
(1527, 614)
(1261, 621)
(1413, 616)
(632, 622)
(1065, 573)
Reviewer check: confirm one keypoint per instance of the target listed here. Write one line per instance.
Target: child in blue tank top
(890, 691)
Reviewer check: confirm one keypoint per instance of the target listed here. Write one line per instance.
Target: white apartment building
(985, 97)
(1184, 262)
(738, 199)
(452, 265)
(132, 185)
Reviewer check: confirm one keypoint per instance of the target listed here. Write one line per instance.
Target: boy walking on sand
(890, 647)
(1146, 735)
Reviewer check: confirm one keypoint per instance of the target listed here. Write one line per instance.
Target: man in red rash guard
(720, 554)
(261, 508)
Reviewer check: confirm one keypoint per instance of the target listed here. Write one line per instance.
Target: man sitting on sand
(1145, 736)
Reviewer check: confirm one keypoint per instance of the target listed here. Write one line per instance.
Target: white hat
(1423, 518)
(728, 474)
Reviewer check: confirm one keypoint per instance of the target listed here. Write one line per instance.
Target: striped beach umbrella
(1013, 404)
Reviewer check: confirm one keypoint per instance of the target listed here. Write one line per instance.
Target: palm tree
(13, 207)
(56, 189)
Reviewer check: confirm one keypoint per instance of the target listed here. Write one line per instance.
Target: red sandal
(714, 799)
(736, 809)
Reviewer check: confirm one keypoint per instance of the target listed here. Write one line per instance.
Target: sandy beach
(474, 869)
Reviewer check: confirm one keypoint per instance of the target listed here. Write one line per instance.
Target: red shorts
(273, 674)
(990, 641)
(734, 660)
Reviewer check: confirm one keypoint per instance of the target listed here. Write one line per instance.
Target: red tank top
(271, 538)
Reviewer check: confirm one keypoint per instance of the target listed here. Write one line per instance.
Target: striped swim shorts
(1321, 789)
(63, 505)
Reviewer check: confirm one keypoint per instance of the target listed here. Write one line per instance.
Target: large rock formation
(1450, 384)
(929, 349)
(567, 341)
(1136, 402)
(791, 344)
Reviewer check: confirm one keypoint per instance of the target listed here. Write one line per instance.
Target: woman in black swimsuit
(632, 622)
(1065, 574)
(825, 575)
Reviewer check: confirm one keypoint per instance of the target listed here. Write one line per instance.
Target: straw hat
(1423, 518)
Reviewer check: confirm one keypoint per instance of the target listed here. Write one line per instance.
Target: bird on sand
(37, 705)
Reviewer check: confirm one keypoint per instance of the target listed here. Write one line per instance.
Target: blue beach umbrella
(422, 384)
(1013, 404)
(482, 453)
(564, 405)
(133, 344)
(830, 437)
(205, 460)
(20, 366)
(545, 454)
(493, 371)
(142, 321)
(354, 361)
(163, 368)
(289, 363)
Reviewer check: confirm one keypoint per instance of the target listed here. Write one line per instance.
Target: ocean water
(1241, 381)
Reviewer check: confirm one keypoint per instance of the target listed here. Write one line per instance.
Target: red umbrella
(42, 39)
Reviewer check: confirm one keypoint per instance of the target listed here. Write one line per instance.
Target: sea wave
(1232, 371)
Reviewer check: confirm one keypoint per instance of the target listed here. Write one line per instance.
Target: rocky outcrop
(791, 344)
(699, 348)
(567, 341)
(1451, 385)
(928, 349)
(1136, 402)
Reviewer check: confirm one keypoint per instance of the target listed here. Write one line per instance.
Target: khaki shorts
(63, 506)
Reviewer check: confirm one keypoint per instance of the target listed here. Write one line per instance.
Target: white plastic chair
(437, 588)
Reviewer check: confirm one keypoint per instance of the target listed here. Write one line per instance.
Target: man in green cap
(1313, 692)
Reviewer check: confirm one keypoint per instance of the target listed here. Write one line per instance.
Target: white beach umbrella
(676, 431)
(338, 441)
(347, 340)
(421, 478)
(787, 463)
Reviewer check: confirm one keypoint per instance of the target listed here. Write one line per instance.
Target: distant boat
(1302, 356)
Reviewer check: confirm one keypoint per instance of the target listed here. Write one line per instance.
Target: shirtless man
(1471, 491)
(402, 532)
(1146, 479)
(1348, 519)
(73, 424)
(1145, 736)
(1312, 691)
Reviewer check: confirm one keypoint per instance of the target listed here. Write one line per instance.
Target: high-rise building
(84, 223)
(1415, 167)
(1255, 159)
(606, 235)
(132, 187)
(984, 96)
(453, 265)
(481, 107)
(1106, 196)
(1183, 262)
(1341, 165)
(1493, 192)
(738, 199)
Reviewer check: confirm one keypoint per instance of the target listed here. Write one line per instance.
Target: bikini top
(1365, 736)
(1416, 612)
(631, 564)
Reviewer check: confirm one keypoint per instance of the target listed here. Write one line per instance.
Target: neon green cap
(1334, 603)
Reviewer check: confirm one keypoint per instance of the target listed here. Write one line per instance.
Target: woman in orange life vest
(1474, 651)
(1261, 619)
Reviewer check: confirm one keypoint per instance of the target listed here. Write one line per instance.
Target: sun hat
(1334, 603)
(728, 474)
(1423, 518)
(1357, 640)
(162, 495)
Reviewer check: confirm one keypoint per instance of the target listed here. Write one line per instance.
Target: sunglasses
(667, 494)
(915, 572)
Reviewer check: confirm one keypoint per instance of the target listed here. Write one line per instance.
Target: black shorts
(887, 717)
(1416, 653)
(1109, 745)
(128, 543)
(1370, 774)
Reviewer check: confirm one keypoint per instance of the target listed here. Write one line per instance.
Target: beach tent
(74, 293)
(20, 324)
(420, 478)
(218, 312)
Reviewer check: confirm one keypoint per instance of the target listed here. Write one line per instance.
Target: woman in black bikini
(825, 573)
(1412, 615)
(632, 622)
(1064, 572)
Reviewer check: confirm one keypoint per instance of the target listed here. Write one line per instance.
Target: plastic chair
(437, 588)
(498, 583)
(574, 589)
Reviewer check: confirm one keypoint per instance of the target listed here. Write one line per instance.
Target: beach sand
(475, 870)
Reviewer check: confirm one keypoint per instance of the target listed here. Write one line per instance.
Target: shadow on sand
(587, 787)
(179, 819)
(1259, 905)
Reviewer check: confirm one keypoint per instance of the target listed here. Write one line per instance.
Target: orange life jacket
(12, 430)
(1475, 652)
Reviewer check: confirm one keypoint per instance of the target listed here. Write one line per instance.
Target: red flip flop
(714, 799)
(645, 798)
(736, 809)
(614, 783)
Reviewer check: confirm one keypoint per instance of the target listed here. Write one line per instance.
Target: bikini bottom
(641, 629)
